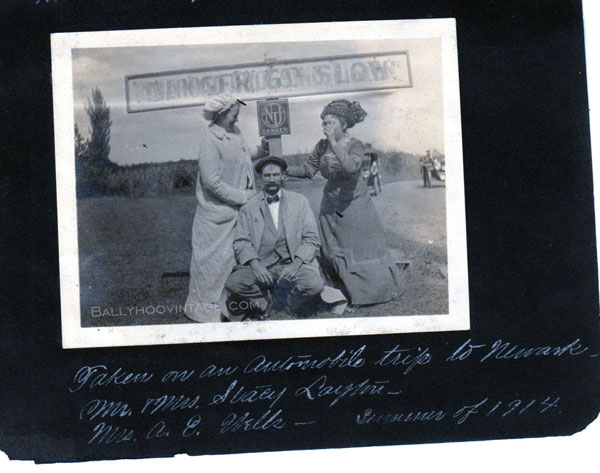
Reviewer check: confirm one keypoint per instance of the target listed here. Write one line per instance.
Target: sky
(407, 119)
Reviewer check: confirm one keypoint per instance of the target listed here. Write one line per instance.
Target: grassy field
(135, 253)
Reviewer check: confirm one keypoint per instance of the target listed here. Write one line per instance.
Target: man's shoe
(260, 307)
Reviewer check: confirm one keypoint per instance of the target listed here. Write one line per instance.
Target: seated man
(275, 245)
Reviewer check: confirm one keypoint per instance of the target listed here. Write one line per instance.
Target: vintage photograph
(259, 182)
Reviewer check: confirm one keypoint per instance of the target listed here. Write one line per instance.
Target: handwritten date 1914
(502, 409)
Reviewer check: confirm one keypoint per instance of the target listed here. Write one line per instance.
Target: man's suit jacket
(299, 227)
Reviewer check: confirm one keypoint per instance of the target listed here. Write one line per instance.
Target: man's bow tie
(275, 198)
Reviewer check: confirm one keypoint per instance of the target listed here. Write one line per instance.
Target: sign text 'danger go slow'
(272, 79)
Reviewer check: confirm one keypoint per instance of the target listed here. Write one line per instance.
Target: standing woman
(225, 182)
(352, 237)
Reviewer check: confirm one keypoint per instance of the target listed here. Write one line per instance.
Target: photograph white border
(75, 336)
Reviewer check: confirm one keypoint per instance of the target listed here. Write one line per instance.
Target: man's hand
(261, 273)
(289, 272)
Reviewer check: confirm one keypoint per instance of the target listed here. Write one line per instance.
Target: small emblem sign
(273, 117)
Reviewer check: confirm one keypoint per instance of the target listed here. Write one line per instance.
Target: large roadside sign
(273, 117)
(272, 79)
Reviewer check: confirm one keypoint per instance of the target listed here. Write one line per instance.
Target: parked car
(432, 169)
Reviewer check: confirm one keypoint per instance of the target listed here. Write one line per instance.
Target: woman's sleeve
(310, 167)
(210, 176)
(261, 151)
(350, 159)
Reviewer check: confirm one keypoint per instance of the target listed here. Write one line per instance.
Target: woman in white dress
(225, 182)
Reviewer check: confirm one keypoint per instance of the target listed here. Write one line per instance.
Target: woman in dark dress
(352, 237)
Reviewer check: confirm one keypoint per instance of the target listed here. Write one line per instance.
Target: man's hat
(270, 160)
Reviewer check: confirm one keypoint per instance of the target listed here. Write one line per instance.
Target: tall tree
(81, 145)
(92, 166)
(82, 172)
(99, 115)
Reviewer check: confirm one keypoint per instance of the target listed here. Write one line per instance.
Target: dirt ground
(135, 254)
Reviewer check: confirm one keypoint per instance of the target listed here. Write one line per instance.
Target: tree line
(98, 176)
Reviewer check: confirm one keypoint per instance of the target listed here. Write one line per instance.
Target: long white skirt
(212, 262)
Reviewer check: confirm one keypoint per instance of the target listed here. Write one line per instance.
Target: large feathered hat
(351, 111)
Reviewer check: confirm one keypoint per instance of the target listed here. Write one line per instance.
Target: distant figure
(225, 182)
(275, 245)
(355, 255)
(371, 170)
(432, 169)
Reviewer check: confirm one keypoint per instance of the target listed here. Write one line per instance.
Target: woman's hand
(330, 134)
(264, 143)
(334, 128)
(321, 147)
